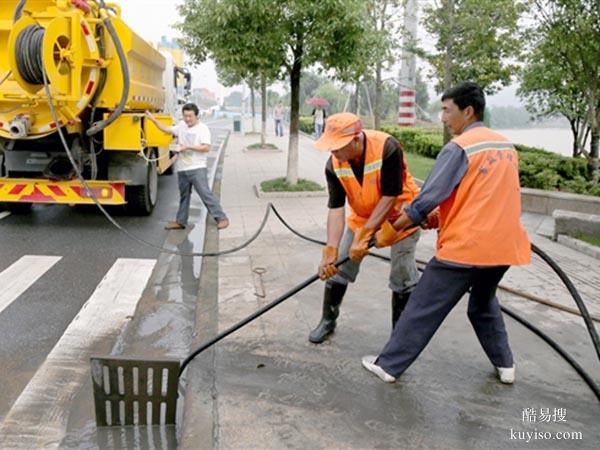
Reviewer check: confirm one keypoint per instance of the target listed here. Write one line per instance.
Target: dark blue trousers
(439, 290)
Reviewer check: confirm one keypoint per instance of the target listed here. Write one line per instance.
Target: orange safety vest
(363, 198)
(480, 223)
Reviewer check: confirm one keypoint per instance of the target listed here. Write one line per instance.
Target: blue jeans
(318, 130)
(439, 290)
(197, 179)
(278, 127)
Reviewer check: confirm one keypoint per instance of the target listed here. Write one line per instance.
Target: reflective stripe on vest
(480, 223)
(363, 198)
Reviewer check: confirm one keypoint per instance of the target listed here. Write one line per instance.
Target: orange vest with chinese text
(480, 223)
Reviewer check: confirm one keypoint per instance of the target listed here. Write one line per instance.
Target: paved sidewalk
(267, 387)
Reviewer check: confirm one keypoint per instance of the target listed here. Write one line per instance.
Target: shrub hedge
(306, 124)
(538, 168)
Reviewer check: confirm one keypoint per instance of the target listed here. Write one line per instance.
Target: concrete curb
(262, 150)
(570, 223)
(198, 423)
(262, 194)
(545, 202)
(580, 246)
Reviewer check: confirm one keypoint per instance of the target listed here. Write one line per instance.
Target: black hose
(586, 377)
(574, 293)
(99, 126)
(247, 320)
(313, 240)
(28, 52)
(18, 10)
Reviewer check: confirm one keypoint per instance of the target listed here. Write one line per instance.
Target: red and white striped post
(407, 113)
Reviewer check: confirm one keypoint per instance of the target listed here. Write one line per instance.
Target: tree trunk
(253, 108)
(369, 104)
(354, 102)
(593, 165)
(292, 166)
(594, 124)
(263, 90)
(574, 132)
(448, 79)
(378, 97)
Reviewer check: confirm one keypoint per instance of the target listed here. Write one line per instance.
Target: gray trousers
(403, 269)
(439, 290)
(197, 179)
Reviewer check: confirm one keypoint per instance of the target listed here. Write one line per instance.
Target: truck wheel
(141, 200)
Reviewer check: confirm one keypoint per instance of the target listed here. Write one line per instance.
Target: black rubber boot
(399, 302)
(332, 298)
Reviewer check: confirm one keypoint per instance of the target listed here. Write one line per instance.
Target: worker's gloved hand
(327, 267)
(433, 220)
(360, 244)
(386, 235)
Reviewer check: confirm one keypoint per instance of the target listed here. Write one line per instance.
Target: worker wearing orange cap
(366, 167)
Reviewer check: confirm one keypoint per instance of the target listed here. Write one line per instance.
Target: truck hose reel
(29, 54)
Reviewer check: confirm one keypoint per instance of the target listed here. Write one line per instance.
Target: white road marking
(38, 419)
(21, 275)
(4, 214)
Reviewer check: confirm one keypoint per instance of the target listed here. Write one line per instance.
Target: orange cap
(340, 129)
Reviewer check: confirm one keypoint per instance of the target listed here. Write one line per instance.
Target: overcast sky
(152, 19)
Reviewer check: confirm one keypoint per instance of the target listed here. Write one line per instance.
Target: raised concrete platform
(545, 202)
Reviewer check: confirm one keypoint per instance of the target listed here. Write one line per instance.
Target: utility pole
(407, 112)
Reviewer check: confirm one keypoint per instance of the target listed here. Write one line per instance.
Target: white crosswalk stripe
(4, 214)
(38, 419)
(21, 275)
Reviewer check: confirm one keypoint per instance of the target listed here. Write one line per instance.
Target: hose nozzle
(20, 126)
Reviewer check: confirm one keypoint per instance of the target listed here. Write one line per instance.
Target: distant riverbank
(555, 140)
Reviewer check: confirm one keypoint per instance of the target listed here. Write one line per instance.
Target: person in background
(278, 113)
(194, 144)
(319, 117)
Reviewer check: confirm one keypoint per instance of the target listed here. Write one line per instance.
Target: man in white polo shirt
(194, 144)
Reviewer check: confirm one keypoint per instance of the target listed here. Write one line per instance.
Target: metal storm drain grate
(134, 391)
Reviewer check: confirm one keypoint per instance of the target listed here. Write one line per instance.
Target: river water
(556, 140)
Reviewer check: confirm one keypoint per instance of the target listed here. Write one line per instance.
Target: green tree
(262, 36)
(569, 31)
(548, 90)
(475, 40)
(273, 98)
(382, 49)
(205, 34)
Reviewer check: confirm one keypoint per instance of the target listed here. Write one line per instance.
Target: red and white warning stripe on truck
(68, 192)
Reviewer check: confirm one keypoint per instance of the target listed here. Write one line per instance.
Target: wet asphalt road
(88, 246)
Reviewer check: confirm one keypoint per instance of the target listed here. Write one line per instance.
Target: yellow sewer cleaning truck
(77, 66)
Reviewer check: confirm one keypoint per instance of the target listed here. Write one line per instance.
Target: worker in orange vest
(475, 182)
(368, 168)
